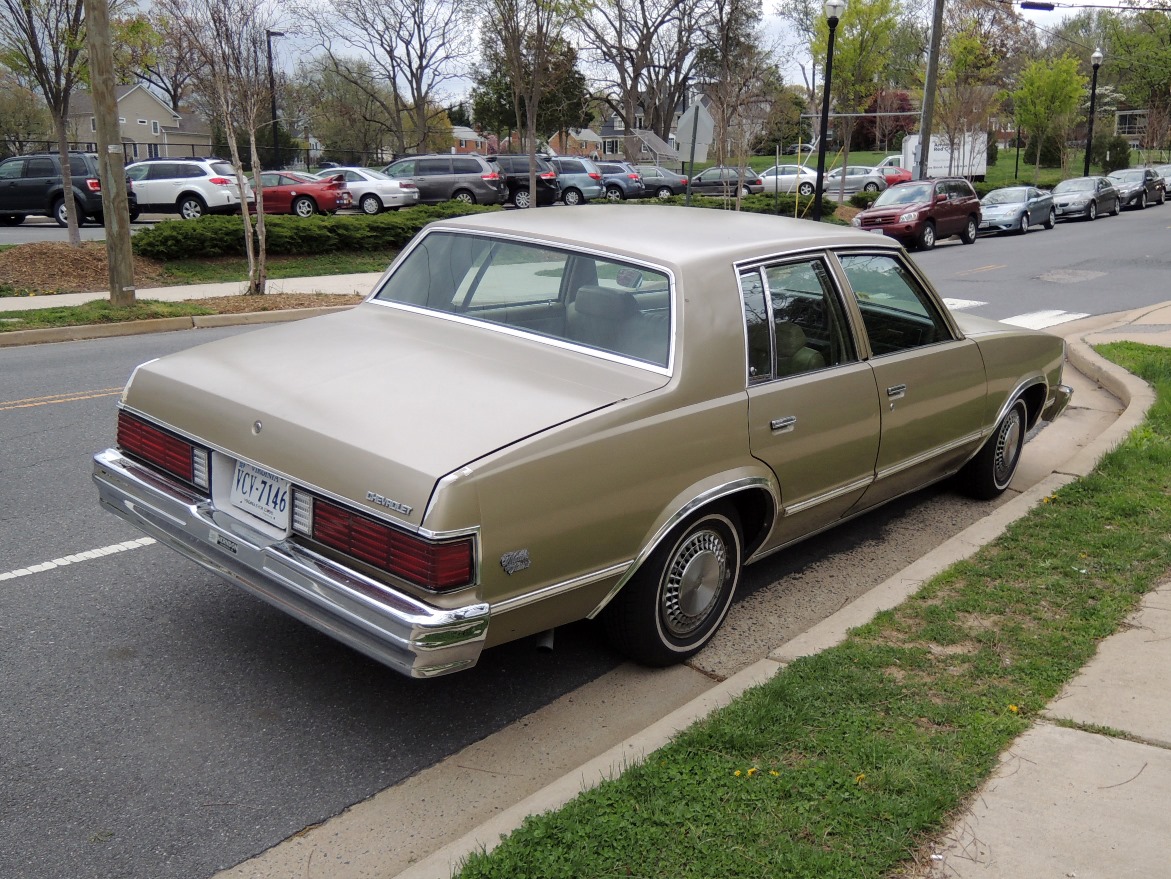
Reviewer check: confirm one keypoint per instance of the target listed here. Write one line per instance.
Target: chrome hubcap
(692, 583)
(1007, 447)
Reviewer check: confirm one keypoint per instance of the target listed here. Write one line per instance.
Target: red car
(292, 192)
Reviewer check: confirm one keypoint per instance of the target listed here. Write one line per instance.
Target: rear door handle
(783, 425)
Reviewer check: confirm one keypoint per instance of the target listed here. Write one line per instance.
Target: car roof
(668, 234)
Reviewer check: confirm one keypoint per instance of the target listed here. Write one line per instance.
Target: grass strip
(214, 270)
(847, 762)
(99, 311)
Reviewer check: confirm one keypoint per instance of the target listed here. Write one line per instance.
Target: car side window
(794, 320)
(402, 169)
(40, 167)
(11, 169)
(897, 311)
(433, 167)
(465, 166)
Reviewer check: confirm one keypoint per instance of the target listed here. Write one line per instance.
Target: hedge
(219, 235)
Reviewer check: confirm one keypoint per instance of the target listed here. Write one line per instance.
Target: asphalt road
(157, 722)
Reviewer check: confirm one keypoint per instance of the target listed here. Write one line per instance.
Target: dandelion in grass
(859, 778)
(1015, 709)
(774, 773)
(752, 771)
(737, 773)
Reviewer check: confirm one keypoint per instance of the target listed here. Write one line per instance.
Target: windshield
(1078, 184)
(1005, 196)
(587, 300)
(913, 194)
(1128, 176)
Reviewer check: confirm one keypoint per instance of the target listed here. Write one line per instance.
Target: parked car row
(921, 212)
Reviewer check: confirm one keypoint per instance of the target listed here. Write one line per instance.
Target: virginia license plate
(263, 494)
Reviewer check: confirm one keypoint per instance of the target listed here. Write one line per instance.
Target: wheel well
(1034, 398)
(186, 195)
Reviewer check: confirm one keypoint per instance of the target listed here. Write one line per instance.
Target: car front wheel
(303, 206)
(675, 602)
(192, 207)
(1051, 220)
(989, 473)
(1142, 201)
(370, 204)
(927, 236)
(1024, 223)
(1092, 211)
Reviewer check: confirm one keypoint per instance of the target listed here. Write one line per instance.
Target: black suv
(516, 174)
(32, 185)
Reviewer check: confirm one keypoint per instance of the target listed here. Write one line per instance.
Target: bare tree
(413, 46)
(45, 40)
(173, 63)
(529, 29)
(23, 118)
(230, 39)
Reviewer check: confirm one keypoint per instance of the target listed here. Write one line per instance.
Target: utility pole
(111, 162)
(923, 159)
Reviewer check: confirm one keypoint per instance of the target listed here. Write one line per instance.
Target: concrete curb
(159, 325)
(1136, 397)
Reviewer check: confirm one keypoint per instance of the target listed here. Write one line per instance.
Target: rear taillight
(93, 184)
(683, 181)
(491, 175)
(171, 454)
(405, 185)
(634, 177)
(221, 181)
(548, 175)
(595, 176)
(434, 565)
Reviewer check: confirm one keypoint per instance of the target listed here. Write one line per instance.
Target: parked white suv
(190, 187)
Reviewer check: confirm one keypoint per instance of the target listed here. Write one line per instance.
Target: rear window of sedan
(588, 300)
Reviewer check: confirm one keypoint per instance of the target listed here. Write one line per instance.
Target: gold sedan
(539, 417)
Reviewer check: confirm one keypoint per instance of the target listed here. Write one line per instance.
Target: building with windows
(150, 128)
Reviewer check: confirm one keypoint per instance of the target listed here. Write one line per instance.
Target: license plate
(875, 231)
(263, 494)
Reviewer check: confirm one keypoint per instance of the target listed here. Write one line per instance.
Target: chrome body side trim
(975, 436)
(556, 589)
(384, 623)
(701, 500)
(828, 496)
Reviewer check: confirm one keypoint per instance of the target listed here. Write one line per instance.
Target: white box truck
(969, 160)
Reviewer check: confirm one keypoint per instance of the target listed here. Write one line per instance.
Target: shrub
(993, 148)
(218, 235)
(863, 200)
(1112, 153)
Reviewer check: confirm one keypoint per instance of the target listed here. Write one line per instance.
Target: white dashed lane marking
(1038, 320)
(961, 304)
(86, 556)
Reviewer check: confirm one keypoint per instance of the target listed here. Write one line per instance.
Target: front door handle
(896, 392)
(783, 425)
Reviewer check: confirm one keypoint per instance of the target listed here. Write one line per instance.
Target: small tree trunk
(72, 219)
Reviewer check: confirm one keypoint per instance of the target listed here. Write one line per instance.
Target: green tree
(1138, 60)
(1047, 99)
(968, 90)
(23, 117)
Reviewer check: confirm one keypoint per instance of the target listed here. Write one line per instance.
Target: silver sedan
(789, 178)
(857, 178)
(1016, 208)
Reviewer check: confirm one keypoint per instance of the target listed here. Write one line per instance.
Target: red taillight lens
(683, 181)
(490, 176)
(634, 177)
(548, 175)
(155, 446)
(595, 176)
(93, 184)
(221, 181)
(430, 564)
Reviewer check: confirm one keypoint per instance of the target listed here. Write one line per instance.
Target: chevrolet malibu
(540, 418)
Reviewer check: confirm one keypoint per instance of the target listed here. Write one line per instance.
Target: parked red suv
(921, 212)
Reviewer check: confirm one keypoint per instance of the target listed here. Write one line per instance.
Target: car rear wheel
(521, 199)
(614, 193)
(664, 192)
(1161, 197)
(989, 473)
(465, 196)
(11, 219)
(927, 236)
(191, 207)
(1051, 220)
(572, 197)
(370, 204)
(676, 601)
(871, 187)
(1117, 209)
(805, 189)
(969, 233)
(303, 206)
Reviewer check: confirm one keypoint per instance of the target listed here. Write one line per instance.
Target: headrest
(604, 302)
(790, 339)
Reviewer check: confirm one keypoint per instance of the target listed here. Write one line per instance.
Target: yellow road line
(981, 269)
(52, 399)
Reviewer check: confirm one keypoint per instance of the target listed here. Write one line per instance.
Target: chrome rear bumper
(388, 625)
(1058, 399)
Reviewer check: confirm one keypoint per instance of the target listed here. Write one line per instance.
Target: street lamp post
(833, 12)
(276, 148)
(1096, 60)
